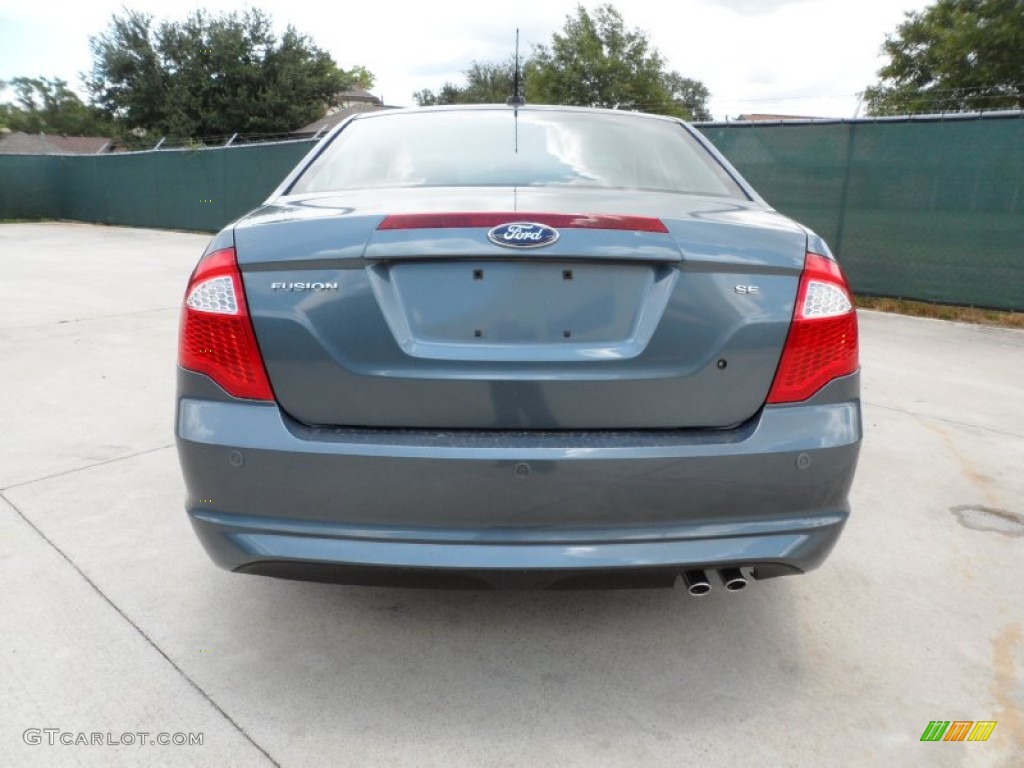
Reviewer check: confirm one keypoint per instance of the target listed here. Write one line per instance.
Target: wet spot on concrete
(979, 518)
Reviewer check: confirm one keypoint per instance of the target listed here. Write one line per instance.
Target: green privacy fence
(929, 209)
(918, 208)
(173, 189)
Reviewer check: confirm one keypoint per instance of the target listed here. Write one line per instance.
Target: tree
(5, 112)
(49, 106)
(486, 83)
(212, 75)
(596, 62)
(691, 96)
(956, 55)
(360, 77)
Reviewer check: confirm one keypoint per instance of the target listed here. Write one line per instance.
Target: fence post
(841, 226)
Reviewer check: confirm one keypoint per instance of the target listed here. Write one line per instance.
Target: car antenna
(516, 99)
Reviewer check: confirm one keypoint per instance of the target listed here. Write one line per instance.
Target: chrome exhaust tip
(733, 579)
(697, 583)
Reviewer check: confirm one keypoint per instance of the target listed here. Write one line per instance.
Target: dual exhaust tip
(697, 583)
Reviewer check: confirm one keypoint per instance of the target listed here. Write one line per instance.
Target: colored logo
(522, 234)
(958, 730)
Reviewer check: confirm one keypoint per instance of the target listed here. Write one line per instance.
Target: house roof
(758, 117)
(330, 120)
(44, 144)
(356, 94)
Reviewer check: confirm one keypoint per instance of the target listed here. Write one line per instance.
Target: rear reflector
(493, 219)
(822, 343)
(216, 336)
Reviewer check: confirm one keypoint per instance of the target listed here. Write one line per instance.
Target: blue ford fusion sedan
(501, 346)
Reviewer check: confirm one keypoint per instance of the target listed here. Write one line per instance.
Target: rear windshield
(499, 148)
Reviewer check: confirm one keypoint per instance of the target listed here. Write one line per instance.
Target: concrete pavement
(115, 622)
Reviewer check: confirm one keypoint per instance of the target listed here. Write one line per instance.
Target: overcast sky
(798, 57)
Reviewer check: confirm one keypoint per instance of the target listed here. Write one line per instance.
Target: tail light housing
(822, 342)
(216, 335)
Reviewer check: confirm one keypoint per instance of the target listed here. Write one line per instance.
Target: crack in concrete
(942, 419)
(89, 319)
(62, 473)
(142, 633)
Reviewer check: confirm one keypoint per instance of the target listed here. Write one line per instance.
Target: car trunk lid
(435, 326)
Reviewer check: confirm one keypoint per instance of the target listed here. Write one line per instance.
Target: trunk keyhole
(478, 274)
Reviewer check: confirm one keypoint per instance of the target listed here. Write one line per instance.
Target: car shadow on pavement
(657, 660)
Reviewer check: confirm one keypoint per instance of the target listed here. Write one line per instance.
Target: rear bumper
(267, 495)
(321, 552)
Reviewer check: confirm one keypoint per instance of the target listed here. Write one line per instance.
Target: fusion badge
(303, 286)
(523, 234)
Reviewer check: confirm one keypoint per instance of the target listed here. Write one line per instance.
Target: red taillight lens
(216, 335)
(822, 341)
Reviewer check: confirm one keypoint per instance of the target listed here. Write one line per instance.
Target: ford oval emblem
(523, 234)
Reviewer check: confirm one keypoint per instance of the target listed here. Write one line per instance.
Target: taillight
(216, 335)
(822, 341)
